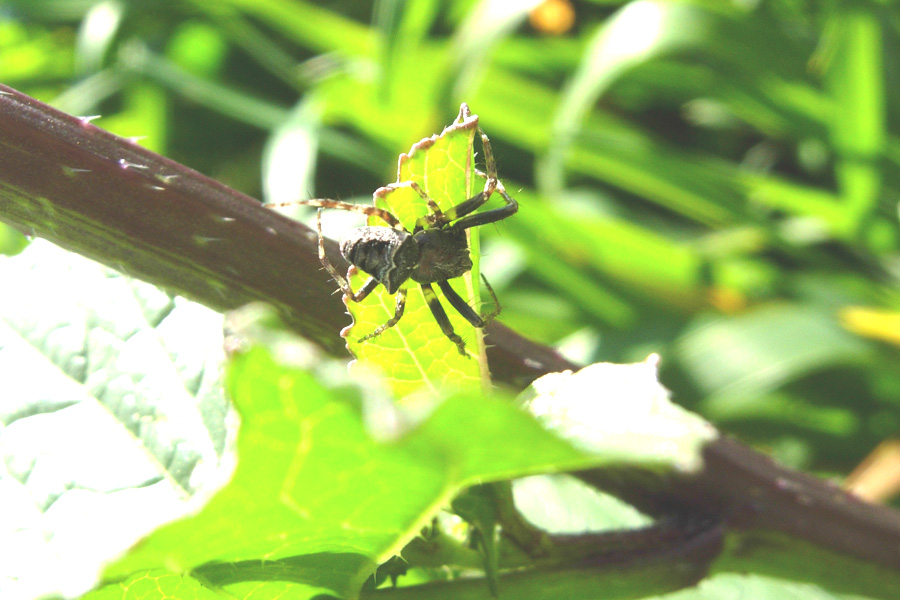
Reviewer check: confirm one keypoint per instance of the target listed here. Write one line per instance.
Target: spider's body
(436, 251)
(442, 255)
(393, 256)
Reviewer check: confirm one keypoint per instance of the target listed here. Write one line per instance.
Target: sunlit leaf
(155, 585)
(415, 355)
(337, 476)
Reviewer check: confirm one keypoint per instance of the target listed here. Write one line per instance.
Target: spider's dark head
(389, 255)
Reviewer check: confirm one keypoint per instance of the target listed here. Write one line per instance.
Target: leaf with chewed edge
(415, 355)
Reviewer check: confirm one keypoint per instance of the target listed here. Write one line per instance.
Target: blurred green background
(713, 181)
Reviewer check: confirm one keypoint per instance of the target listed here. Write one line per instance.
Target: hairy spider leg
(360, 208)
(342, 282)
(497, 308)
(460, 215)
(490, 216)
(438, 218)
(371, 283)
(441, 316)
(489, 162)
(398, 312)
(463, 308)
(455, 212)
(421, 222)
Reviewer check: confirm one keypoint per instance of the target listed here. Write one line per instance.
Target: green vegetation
(713, 182)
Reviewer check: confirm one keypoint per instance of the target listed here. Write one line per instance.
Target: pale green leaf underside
(112, 415)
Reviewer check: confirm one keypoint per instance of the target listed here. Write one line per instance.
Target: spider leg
(490, 185)
(490, 216)
(490, 316)
(417, 189)
(463, 308)
(398, 313)
(489, 162)
(428, 220)
(459, 212)
(348, 206)
(441, 317)
(342, 282)
(466, 206)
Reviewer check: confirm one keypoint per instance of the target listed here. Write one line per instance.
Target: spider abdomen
(443, 255)
(389, 255)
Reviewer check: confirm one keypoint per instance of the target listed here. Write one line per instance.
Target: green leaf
(562, 503)
(308, 24)
(154, 585)
(112, 416)
(415, 355)
(334, 474)
(858, 121)
(11, 241)
(478, 506)
(752, 354)
(636, 33)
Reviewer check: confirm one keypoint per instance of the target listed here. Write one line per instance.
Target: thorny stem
(102, 196)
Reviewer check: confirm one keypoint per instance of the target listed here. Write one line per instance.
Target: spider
(435, 251)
